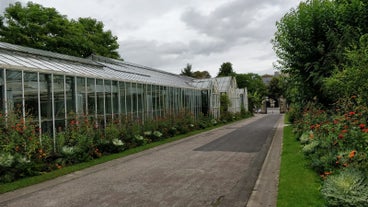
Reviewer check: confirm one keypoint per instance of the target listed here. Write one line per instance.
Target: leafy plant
(349, 188)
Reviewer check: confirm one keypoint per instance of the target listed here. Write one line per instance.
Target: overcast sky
(168, 34)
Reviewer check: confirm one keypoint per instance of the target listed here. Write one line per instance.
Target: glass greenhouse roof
(224, 83)
(19, 57)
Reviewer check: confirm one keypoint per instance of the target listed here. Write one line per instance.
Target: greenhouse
(51, 87)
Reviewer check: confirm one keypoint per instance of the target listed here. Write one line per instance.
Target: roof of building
(19, 57)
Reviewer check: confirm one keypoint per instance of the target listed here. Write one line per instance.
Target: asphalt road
(215, 168)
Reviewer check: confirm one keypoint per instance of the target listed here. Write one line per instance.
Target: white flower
(117, 142)
(23, 160)
(310, 147)
(157, 134)
(6, 160)
(147, 133)
(68, 150)
(138, 137)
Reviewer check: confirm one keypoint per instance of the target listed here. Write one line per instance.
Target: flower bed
(24, 153)
(336, 143)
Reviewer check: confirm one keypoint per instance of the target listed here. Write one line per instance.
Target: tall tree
(44, 28)
(100, 42)
(311, 41)
(306, 45)
(226, 69)
(257, 90)
(187, 71)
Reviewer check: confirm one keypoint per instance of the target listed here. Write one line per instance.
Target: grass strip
(69, 169)
(298, 184)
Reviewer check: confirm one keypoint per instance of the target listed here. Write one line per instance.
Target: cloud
(169, 34)
(4, 4)
(235, 22)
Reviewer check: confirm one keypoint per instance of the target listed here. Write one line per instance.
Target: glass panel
(14, 90)
(108, 103)
(122, 97)
(115, 100)
(91, 96)
(2, 91)
(59, 97)
(100, 97)
(155, 100)
(81, 95)
(31, 94)
(70, 94)
(46, 102)
(149, 101)
(140, 96)
(129, 98)
(162, 99)
(135, 98)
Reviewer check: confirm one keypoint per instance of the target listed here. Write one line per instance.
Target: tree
(306, 45)
(352, 80)
(187, 71)
(275, 89)
(44, 28)
(226, 69)
(201, 74)
(100, 42)
(311, 41)
(257, 90)
(252, 81)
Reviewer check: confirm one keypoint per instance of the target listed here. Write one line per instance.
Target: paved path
(215, 168)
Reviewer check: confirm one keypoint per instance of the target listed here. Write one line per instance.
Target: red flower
(352, 154)
(351, 113)
(362, 126)
(344, 131)
(336, 121)
(341, 136)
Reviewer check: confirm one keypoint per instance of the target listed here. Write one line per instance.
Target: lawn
(298, 184)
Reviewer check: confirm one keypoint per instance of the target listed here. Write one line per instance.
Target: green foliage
(277, 87)
(224, 103)
(187, 71)
(201, 74)
(257, 90)
(349, 188)
(44, 28)
(311, 42)
(306, 44)
(336, 145)
(226, 69)
(352, 80)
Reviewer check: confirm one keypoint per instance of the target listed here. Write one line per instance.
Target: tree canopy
(311, 43)
(44, 28)
(187, 71)
(201, 74)
(226, 69)
(257, 90)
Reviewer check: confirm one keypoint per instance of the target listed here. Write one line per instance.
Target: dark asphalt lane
(249, 138)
